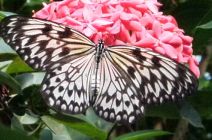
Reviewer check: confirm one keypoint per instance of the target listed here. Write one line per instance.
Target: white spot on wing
(28, 27)
(51, 101)
(32, 32)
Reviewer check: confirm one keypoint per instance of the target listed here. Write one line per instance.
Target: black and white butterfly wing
(62, 52)
(66, 84)
(41, 43)
(134, 77)
(117, 99)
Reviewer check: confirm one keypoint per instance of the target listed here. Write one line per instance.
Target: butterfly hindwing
(117, 100)
(66, 85)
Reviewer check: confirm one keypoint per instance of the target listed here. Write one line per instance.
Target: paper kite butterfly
(116, 81)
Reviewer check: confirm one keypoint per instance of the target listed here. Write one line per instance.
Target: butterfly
(116, 81)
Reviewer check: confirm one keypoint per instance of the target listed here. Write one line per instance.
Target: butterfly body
(95, 78)
(116, 81)
(99, 50)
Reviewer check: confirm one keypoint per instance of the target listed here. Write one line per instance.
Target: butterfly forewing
(41, 43)
(155, 78)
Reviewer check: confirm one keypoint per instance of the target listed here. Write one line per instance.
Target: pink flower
(131, 22)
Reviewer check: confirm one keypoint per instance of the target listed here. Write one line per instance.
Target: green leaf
(202, 32)
(207, 25)
(205, 22)
(28, 119)
(76, 124)
(10, 81)
(18, 66)
(30, 5)
(29, 79)
(7, 56)
(202, 102)
(46, 134)
(16, 125)
(191, 115)
(35, 2)
(92, 118)
(141, 135)
(17, 105)
(5, 48)
(59, 130)
(184, 13)
(4, 14)
(166, 110)
(8, 134)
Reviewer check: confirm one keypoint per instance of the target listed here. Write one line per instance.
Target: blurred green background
(24, 115)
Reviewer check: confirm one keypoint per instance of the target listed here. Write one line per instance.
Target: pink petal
(146, 20)
(101, 22)
(119, 42)
(88, 14)
(109, 40)
(175, 41)
(72, 21)
(77, 14)
(131, 3)
(115, 17)
(152, 6)
(96, 37)
(147, 42)
(182, 59)
(124, 34)
(160, 50)
(195, 60)
(63, 3)
(135, 12)
(186, 39)
(166, 36)
(87, 1)
(127, 16)
(156, 28)
(169, 26)
(142, 8)
(133, 38)
(42, 14)
(170, 51)
(187, 50)
(133, 25)
(193, 67)
(89, 31)
(64, 11)
(115, 28)
(172, 20)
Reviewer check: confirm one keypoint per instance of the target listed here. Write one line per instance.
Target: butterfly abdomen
(94, 88)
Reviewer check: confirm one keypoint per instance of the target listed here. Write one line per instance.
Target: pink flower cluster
(128, 22)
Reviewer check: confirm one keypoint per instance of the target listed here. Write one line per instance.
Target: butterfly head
(100, 42)
(99, 50)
